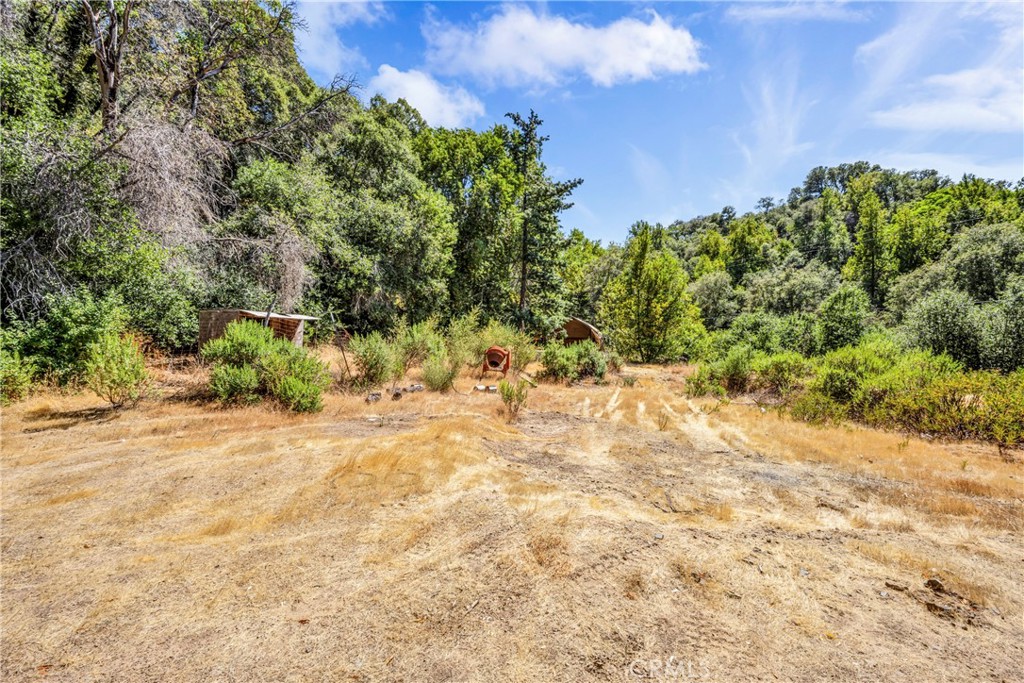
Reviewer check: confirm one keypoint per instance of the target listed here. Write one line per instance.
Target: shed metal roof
(263, 314)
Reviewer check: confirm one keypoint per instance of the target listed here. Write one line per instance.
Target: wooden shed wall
(212, 324)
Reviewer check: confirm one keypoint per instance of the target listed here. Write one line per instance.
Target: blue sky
(669, 110)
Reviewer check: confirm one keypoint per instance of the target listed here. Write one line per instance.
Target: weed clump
(115, 369)
(513, 395)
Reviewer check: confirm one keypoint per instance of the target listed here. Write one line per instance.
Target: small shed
(577, 331)
(213, 322)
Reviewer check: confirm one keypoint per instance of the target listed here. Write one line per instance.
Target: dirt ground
(614, 533)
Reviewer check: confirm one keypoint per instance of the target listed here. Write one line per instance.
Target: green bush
(414, 342)
(250, 363)
(841, 372)
(243, 343)
(439, 373)
(758, 330)
(377, 359)
(1002, 340)
(16, 375)
(60, 342)
(878, 397)
(115, 369)
(780, 373)
(736, 368)
(235, 384)
(949, 322)
(842, 317)
(303, 395)
(817, 408)
(704, 382)
(513, 396)
(798, 332)
(573, 362)
(519, 343)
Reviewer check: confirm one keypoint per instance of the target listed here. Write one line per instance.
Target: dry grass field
(614, 533)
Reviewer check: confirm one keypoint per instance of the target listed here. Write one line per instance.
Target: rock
(895, 586)
(396, 394)
(884, 594)
(659, 536)
(804, 573)
(935, 585)
(373, 397)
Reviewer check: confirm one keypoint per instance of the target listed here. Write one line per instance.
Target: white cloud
(320, 49)
(793, 11)
(971, 100)
(519, 46)
(439, 104)
(984, 97)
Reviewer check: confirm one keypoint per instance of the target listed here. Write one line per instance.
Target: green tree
(749, 242)
(540, 301)
(581, 256)
(649, 312)
(872, 263)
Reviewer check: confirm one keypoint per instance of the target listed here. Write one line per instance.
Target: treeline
(160, 158)
(176, 156)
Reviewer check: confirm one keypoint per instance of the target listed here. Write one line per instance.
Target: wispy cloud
(778, 107)
(439, 104)
(985, 97)
(523, 46)
(321, 50)
(649, 173)
(763, 12)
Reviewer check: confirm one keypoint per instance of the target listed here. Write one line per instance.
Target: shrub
(60, 342)
(573, 362)
(559, 361)
(378, 360)
(439, 372)
(735, 369)
(1002, 339)
(842, 317)
(705, 381)
(841, 372)
(16, 374)
(251, 363)
(235, 384)
(757, 330)
(798, 332)
(244, 342)
(303, 395)
(947, 321)
(880, 399)
(780, 373)
(817, 408)
(115, 369)
(414, 342)
(513, 396)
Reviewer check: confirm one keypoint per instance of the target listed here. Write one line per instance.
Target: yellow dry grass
(610, 530)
